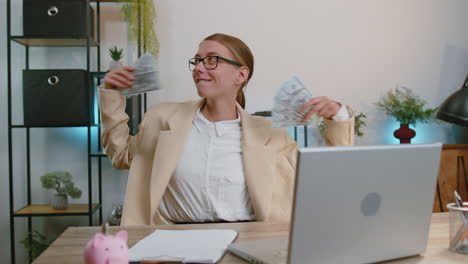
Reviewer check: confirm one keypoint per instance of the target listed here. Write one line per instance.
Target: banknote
(287, 101)
(146, 75)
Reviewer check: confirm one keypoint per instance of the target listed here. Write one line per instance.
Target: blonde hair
(241, 54)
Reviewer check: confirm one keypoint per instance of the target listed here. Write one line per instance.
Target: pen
(459, 202)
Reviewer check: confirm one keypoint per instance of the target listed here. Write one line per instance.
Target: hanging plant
(141, 17)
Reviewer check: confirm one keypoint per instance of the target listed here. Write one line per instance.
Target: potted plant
(116, 54)
(359, 123)
(61, 181)
(35, 243)
(140, 16)
(408, 109)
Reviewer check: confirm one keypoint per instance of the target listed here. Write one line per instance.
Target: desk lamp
(455, 110)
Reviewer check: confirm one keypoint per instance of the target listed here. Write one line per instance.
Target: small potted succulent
(408, 109)
(116, 55)
(62, 182)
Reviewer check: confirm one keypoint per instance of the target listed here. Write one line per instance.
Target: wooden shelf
(47, 210)
(53, 42)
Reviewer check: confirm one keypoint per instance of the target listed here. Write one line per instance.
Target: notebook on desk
(188, 246)
(355, 205)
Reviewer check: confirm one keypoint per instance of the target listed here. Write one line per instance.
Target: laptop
(360, 204)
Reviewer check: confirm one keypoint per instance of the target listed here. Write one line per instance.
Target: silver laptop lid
(363, 204)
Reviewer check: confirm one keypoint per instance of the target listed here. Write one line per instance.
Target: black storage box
(56, 18)
(57, 98)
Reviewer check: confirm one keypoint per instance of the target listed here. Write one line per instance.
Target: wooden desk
(68, 248)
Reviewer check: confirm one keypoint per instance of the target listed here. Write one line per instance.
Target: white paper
(201, 246)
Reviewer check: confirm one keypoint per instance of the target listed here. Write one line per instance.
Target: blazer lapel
(259, 160)
(168, 150)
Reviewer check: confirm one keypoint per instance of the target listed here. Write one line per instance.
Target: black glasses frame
(196, 61)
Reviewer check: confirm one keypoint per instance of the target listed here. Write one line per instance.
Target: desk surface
(68, 248)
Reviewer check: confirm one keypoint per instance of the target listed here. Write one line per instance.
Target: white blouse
(208, 184)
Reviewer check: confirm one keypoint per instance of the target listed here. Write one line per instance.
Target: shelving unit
(31, 210)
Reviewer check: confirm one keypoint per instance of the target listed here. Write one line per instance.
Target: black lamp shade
(455, 108)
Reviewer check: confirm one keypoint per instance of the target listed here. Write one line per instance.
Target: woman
(207, 160)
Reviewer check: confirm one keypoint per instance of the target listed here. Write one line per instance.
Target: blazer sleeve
(340, 133)
(119, 145)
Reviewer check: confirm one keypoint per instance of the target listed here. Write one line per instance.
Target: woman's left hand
(322, 105)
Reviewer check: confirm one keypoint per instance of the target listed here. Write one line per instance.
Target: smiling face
(225, 80)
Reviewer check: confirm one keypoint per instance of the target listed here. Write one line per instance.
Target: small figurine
(107, 249)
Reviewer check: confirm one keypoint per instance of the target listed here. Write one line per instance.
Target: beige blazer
(269, 156)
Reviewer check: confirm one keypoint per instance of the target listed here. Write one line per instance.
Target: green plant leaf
(115, 53)
(406, 107)
(35, 243)
(141, 17)
(359, 123)
(62, 182)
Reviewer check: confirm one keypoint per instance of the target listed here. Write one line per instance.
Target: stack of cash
(146, 76)
(289, 98)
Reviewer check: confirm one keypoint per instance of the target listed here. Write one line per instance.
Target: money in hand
(289, 98)
(146, 76)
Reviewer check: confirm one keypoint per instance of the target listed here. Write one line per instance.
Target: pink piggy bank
(107, 249)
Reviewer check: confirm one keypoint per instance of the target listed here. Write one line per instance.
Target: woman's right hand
(119, 78)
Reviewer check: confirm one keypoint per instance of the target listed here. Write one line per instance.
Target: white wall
(352, 51)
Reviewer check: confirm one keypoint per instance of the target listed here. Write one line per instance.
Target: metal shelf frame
(44, 41)
(27, 42)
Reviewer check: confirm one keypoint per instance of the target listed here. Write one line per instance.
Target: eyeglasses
(210, 62)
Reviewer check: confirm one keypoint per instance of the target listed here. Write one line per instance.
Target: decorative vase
(404, 134)
(59, 201)
(114, 64)
(116, 215)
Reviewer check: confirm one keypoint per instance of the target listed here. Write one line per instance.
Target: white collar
(221, 127)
